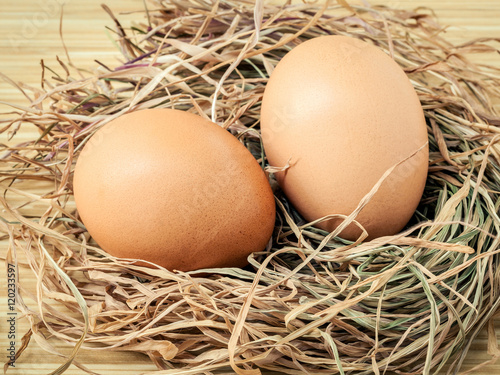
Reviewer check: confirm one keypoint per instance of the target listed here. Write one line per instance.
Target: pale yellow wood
(29, 32)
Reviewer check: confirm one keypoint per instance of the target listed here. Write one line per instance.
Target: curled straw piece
(311, 302)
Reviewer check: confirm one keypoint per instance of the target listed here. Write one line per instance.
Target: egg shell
(343, 112)
(175, 189)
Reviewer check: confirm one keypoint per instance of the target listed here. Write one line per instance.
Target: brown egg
(344, 112)
(172, 188)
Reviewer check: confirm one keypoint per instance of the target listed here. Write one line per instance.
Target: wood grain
(30, 32)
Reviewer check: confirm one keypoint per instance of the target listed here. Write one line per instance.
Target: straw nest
(311, 303)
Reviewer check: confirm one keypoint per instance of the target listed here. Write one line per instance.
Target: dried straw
(312, 303)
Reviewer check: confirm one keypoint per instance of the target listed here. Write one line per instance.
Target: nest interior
(312, 303)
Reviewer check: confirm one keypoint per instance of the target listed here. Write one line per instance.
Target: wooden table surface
(29, 32)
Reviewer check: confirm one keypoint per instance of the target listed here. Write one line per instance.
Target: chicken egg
(172, 188)
(343, 113)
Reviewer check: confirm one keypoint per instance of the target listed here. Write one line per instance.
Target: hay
(312, 303)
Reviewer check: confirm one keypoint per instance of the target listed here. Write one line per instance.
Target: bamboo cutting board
(29, 32)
